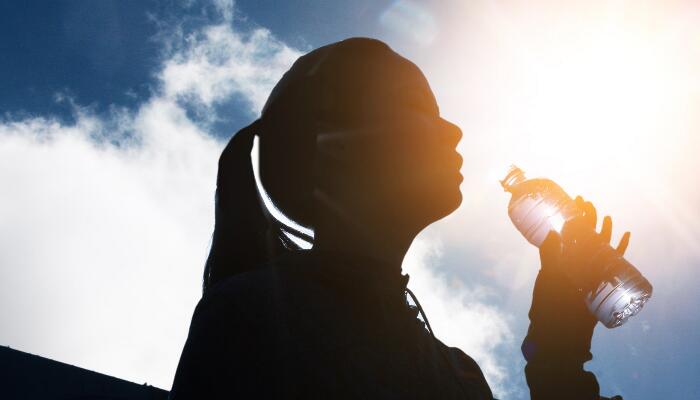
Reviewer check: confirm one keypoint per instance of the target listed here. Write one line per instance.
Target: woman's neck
(388, 248)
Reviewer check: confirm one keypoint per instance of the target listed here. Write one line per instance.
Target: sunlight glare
(599, 97)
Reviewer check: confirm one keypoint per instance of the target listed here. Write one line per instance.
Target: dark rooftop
(27, 376)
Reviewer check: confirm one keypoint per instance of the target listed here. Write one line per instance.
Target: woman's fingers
(606, 229)
(590, 218)
(589, 212)
(591, 215)
(581, 205)
(606, 236)
(624, 242)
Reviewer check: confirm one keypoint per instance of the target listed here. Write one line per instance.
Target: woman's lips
(452, 163)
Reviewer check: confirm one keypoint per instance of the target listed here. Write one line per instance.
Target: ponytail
(245, 236)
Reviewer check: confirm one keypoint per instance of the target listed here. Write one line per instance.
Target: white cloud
(102, 245)
(410, 19)
(226, 8)
(218, 62)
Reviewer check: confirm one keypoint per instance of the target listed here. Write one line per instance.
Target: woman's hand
(559, 315)
(572, 256)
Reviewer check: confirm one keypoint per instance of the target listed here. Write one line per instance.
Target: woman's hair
(329, 87)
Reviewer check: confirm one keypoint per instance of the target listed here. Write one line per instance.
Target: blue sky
(113, 114)
(105, 53)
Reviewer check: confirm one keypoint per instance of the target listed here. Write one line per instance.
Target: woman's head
(353, 128)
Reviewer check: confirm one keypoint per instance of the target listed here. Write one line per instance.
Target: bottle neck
(514, 177)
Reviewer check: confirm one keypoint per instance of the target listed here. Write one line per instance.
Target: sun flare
(598, 97)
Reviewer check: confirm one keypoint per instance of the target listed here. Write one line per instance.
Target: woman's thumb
(550, 250)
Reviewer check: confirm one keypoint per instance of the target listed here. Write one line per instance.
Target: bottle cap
(514, 177)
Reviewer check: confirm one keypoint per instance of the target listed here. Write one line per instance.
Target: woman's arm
(558, 340)
(561, 327)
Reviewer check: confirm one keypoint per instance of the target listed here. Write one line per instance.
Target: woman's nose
(452, 132)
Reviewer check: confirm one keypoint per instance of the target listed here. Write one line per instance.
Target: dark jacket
(313, 326)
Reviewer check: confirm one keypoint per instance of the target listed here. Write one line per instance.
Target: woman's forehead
(403, 80)
(418, 97)
(351, 81)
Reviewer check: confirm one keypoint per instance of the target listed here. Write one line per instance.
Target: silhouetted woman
(352, 146)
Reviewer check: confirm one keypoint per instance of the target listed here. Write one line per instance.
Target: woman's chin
(449, 200)
(457, 199)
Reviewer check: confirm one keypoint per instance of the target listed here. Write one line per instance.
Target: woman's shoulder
(468, 372)
(267, 283)
(254, 307)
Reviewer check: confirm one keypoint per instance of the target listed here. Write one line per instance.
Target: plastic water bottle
(538, 206)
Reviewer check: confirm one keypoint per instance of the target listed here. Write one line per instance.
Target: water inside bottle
(538, 206)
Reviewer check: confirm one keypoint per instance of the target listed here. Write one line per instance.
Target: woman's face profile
(399, 164)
